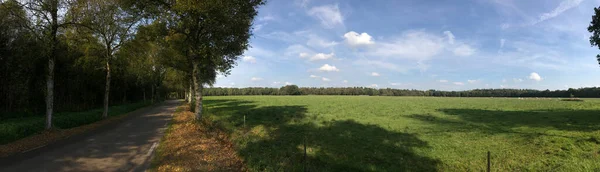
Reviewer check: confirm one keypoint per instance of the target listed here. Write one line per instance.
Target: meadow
(373, 133)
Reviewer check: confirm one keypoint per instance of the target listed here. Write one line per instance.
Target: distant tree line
(295, 90)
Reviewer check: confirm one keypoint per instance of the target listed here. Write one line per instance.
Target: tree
(290, 90)
(112, 25)
(46, 25)
(594, 28)
(214, 32)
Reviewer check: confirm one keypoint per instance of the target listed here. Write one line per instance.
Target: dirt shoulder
(195, 146)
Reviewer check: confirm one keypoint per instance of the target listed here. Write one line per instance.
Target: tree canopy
(82, 51)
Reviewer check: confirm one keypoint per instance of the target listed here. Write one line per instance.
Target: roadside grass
(18, 128)
(189, 145)
(353, 133)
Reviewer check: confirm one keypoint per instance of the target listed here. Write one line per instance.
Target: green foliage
(290, 90)
(594, 28)
(361, 133)
(79, 71)
(14, 129)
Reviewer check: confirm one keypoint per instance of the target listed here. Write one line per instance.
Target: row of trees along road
(72, 55)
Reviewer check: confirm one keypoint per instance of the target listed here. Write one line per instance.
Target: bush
(572, 99)
(290, 90)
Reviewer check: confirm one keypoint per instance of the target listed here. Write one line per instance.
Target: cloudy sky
(420, 44)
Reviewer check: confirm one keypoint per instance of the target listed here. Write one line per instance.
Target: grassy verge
(21, 134)
(189, 145)
(352, 133)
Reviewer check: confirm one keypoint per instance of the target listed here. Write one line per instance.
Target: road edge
(72, 139)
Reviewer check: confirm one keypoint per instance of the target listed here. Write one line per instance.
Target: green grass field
(358, 133)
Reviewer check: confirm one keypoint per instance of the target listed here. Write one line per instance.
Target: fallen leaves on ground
(196, 146)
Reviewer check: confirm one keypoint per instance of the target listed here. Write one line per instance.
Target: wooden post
(488, 161)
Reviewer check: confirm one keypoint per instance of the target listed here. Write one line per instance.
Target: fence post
(488, 161)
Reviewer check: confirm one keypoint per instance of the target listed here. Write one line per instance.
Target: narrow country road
(126, 147)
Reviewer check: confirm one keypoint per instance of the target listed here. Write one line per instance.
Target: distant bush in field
(572, 99)
(290, 90)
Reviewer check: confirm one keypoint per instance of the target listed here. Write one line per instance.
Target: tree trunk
(107, 89)
(51, 60)
(197, 90)
(144, 90)
(152, 94)
(191, 91)
(50, 92)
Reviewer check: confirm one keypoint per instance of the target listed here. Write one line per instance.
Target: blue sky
(420, 44)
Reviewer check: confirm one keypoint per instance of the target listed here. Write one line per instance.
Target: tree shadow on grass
(273, 138)
(560, 119)
(499, 122)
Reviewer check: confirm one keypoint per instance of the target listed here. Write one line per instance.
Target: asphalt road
(126, 146)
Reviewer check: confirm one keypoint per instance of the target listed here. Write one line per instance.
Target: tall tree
(111, 24)
(594, 28)
(47, 21)
(216, 33)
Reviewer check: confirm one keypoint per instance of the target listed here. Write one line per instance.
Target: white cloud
(314, 76)
(535, 76)
(505, 26)
(302, 3)
(257, 27)
(517, 80)
(411, 45)
(502, 41)
(329, 15)
(328, 68)
(355, 39)
(458, 83)
(345, 81)
(450, 36)
(316, 41)
(464, 50)
(395, 84)
(297, 50)
(325, 79)
(374, 74)
(373, 86)
(443, 81)
(256, 79)
(471, 81)
(266, 18)
(562, 7)
(503, 80)
(303, 55)
(249, 59)
(321, 56)
(276, 83)
(289, 83)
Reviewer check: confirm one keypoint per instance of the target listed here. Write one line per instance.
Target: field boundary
(62, 137)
